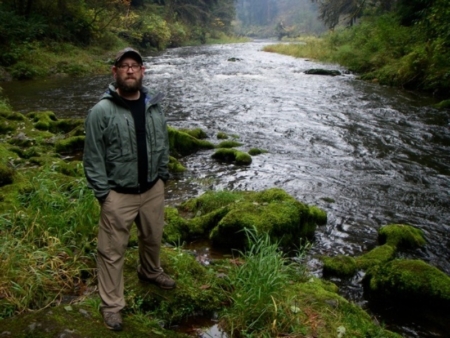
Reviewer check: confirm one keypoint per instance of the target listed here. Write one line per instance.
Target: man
(126, 157)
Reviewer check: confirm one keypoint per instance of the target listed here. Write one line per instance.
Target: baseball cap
(130, 52)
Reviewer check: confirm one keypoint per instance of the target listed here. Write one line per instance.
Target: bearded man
(126, 156)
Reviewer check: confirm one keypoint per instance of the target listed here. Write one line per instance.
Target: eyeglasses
(124, 67)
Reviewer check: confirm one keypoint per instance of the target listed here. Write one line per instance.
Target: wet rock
(225, 214)
(319, 71)
(409, 281)
(232, 156)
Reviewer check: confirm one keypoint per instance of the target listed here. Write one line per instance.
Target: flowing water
(367, 154)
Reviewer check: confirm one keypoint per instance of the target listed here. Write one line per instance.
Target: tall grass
(47, 241)
(258, 287)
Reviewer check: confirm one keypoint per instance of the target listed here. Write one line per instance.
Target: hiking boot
(113, 320)
(162, 280)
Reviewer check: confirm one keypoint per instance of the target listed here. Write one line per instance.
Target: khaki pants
(118, 213)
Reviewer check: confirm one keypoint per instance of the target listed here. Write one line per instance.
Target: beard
(129, 86)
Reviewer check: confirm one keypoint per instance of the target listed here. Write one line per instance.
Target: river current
(367, 154)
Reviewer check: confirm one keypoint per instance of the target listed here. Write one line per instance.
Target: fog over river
(381, 154)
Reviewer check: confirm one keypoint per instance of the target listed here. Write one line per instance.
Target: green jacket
(110, 150)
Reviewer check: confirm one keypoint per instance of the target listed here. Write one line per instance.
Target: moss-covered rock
(222, 136)
(445, 104)
(377, 255)
(198, 133)
(232, 156)
(222, 216)
(393, 237)
(412, 281)
(175, 166)
(256, 151)
(339, 265)
(73, 126)
(70, 145)
(401, 236)
(42, 120)
(183, 144)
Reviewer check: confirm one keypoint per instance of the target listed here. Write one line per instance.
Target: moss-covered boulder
(340, 265)
(183, 144)
(222, 216)
(198, 133)
(256, 151)
(70, 145)
(411, 281)
(221, 136)
(393, 237)
(232, 156)
(42, 120)
(401, 236)
(175, 166)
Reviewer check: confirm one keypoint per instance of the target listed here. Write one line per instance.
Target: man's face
(128, 75)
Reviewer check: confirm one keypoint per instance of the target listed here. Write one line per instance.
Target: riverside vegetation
(407, 46)
(48, 220)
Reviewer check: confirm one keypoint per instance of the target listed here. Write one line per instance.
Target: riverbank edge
(384, 66)
(31, 170)
(65, 59)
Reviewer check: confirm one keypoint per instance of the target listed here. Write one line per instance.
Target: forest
(401, 43)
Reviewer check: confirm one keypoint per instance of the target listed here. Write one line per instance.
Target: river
(381, 154)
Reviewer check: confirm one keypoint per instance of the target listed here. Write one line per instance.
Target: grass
(46, 241)
(258, 286)
(48, 231)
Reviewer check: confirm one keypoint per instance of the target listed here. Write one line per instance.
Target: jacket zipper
(132, 151)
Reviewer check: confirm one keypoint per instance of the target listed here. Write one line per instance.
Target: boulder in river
(320, 71)
(223, 215)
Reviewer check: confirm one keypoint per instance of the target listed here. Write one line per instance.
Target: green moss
(6, 175)
(319, 215)
(223, 215)
(228, 144)
(445, 104)
(175, 166)
(339, 266)
(401, 236)
(6, 171)
(70, 145)
(281, 219)
(317, 303)
(256, 151)
(210, 201)
(78, 320)
(412, 280)
(198, 133)
(73, 126)
(198, 290)
(221, 136)
(176, 228)
(232, 156)
(183, 144)
(42, 120)
(380, 254)
(73, 168)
